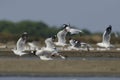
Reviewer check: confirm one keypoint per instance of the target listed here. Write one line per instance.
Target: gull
(61, 35)
(72, 43)
(106, 38)
(50, 50)
(75, 44)
(20, 45)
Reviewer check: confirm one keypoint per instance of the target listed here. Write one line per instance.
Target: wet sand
(20, 67)
(109, 53)
(30, 65)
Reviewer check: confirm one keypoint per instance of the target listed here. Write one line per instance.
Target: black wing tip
(109, 27)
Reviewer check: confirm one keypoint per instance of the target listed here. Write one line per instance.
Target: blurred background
(44, 18)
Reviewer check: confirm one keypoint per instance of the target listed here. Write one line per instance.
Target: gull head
(25, 36)
(66, 27)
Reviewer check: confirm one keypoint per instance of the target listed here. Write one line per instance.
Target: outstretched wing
(74, 31)
(49, 43)
(20, 45)
(61, 36)
(17, 52)
(45, 58)
(33, 45)
(106, 35)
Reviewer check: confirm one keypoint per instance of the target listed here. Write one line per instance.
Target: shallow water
(59, 78)
(68, 58)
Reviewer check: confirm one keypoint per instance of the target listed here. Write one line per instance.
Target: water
(59, 78)
(69, 58)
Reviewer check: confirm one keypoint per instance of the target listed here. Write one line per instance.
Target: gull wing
(33, 45)
(61, 35)
(106, 35)
(75, 31)
(20, 45)
(17, 52)
(49, 43)
(45, 58)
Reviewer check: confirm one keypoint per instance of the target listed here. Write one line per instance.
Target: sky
(94, 15)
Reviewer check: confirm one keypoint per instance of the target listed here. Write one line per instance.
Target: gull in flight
(50, 50)
(20, 45)
(61, 35)
(106, 38)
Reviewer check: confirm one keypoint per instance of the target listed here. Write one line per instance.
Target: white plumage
(33, 45)
(20, 45)
(76, 45)
(73, 31)
(61, 35)
(19, 53)
(106, 38)
(45, 53)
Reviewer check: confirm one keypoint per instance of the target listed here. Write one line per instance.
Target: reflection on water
(59, 78)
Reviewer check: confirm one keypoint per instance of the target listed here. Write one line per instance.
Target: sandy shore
(20, 67)
(12, 65)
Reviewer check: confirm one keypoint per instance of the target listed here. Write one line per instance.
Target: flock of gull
(53, 48)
